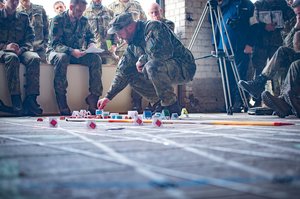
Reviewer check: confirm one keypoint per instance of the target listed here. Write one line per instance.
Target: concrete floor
(120, 160)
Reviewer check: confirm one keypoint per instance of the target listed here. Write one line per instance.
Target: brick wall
(204, 93)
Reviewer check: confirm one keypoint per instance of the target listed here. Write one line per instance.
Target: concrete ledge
(77, 90)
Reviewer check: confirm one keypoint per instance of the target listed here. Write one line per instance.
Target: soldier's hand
(270, 27)
(139, 66)
(102, 103)
(113, 50)
(116, 57)
(78, 53)
(13, 47)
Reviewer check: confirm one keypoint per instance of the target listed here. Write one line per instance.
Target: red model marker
(91, 124)
(53, 122)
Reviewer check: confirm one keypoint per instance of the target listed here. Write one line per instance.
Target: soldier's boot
(92, 101)
(5, 108)
(174, 108)
(137, 105)
(278, 104)
(292, 100)
(17, 104)
(63, 105)
(31, 107)
(254, 87)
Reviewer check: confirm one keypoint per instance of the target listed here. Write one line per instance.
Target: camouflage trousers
(31, 60)
(260, 57)
(292, 80)
(158, 78)
(60, 61)
(277, 68)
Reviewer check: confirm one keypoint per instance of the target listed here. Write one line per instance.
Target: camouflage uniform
(134, 7)
(64, 37)
(292, 81)
(282, 58)
(288, 102)
(280, 62)
(39, 22)
(291, 87)
(99, 19)
(268, 42)
(166, 61)
(135, 97)
(169, 23)
(17, 29)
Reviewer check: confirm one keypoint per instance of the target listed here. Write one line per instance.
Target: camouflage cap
(119, 22)
(296, 3)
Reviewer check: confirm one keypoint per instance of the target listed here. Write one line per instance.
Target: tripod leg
(224, 80)
(237, 79)
(199, 25)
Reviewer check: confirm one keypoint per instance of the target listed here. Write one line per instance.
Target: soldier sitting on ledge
(70, 33)
(16, 40)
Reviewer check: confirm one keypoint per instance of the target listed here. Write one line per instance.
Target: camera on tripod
(223, 49)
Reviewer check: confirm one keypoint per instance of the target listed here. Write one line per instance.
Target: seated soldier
(39, 21)
(15, 47)
(282, 58)
(289, 100)
(67, 43)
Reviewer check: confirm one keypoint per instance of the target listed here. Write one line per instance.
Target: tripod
(223, 56)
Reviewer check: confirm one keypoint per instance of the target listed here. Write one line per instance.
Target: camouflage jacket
(273, 38)
(66, 36)
(16, 29)
(169, 23)
(131, 6)
(39, 22)
(99, 21)
(153, 40)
